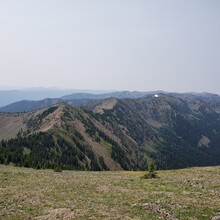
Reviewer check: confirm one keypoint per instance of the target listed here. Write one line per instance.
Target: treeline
(41, 151)
(45, 151)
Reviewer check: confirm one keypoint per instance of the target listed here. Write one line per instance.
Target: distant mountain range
(10, 96)
(118, 95)
(78, 99)
(175, 130)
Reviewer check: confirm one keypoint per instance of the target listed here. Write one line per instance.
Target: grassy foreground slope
(43, 194)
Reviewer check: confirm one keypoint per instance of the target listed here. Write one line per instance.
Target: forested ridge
(112, 134)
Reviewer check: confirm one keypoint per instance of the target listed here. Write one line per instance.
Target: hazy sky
(173, 45)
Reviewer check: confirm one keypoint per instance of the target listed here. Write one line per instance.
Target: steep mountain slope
(114, 134)
(10, 125)
(60, 135)
(173, 131)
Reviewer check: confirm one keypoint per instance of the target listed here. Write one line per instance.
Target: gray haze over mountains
(154, 67)
(143, 45)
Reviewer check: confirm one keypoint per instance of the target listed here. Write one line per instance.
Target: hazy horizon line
(89, 90)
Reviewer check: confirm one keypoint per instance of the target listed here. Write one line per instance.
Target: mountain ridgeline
(174, 130)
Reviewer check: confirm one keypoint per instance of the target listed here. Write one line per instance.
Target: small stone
(216, 217)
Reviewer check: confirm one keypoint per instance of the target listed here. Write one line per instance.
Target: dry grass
(10, 125)
(43, 194)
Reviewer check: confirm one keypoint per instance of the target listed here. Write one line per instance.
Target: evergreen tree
(151, 171)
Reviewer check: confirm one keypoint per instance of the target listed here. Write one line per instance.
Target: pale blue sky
(172, 45)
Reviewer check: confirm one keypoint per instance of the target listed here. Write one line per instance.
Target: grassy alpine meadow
(192, 193)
